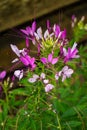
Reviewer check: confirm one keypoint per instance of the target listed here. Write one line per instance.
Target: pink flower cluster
(52, 49)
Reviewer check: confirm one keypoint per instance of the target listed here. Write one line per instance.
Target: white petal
(39, 32)
(59, 34)
(65, 68)
(64, 52)
(35, 76)
(46, 34)
(63, 78)
(69, 72)
(36, 35)
(56, 76)
(32, 80)
(45, 81)
(17, 73)
(15, 60)
(60, 73)
(15, 50)
(74, 47)
(21, 76)
(42, 75)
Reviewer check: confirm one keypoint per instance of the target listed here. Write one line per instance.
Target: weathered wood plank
(15, 12)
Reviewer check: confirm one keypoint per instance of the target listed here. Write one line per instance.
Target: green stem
(59, 125)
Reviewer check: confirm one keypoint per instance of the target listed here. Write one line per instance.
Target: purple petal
(43, 60)
(33, 67)
(63, 35)
(24, 61)
(2, 75)
(57, 30)
(38, 47)
(50, 56)
(24, 31)
(28, 58)
(48, 24)
(33, 26)
(32, 60)
(28, 29)
(54, 61)
(27, 42)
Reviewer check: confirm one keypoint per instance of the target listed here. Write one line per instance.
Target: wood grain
(15, 12)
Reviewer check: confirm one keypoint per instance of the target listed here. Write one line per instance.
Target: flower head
(65, 73)
(23, 57)
(71, 53)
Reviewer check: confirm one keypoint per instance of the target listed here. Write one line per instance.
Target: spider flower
(71, 53)
(23, 57)
(29, 32)
(48, 87)
(65, 73)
